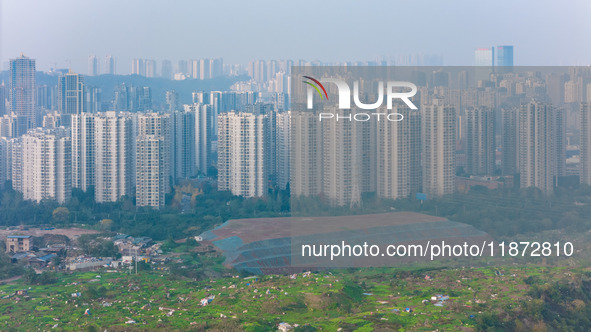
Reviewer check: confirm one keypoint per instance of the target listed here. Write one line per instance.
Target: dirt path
(5, 281)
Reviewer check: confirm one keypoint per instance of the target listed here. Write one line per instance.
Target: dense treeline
(93, 245)
(197, 206)
(206, 207)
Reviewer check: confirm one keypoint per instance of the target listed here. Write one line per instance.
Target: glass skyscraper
(22, 89)
(504, 58)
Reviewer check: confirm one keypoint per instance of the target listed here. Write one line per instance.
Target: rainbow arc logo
(317, 86)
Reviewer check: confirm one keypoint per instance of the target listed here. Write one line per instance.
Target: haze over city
(64, 34)
(295, 166)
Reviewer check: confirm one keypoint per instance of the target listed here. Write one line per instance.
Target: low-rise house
(18, 243)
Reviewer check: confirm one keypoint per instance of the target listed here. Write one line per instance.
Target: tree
(106, 224)
(61, 215)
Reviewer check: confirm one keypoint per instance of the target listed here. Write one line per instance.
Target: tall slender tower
(348, 158)
(438, 130)
(166, 69)
(415, 163)
(150, 65)
(484, 59)
(71, 96)
(510, 132)
(340, 167)
(22, 89)
(283, 147)
(83, 151)
(204, 68)
(504, 62)
(396, 155)
(241, 159)
(585, 123)
(183, 148)
(153, 159)
(93, 66)
(151, 170)
(110, 65)
(203, 134)
(2, 99)
(480, 141)
(114, 148)
(306, 154)
(541, 136)
(138, 67)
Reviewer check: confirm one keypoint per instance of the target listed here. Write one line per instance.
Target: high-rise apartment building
(114, 155)
(215, 100)
(12, 125)
(46, 165)
(257, 69)
(166, 70)
(182, 67)
(4, 160)
(398, 147)
(150, 70)
(16, 160)
(152, 174)
(416, 170)
(585, 132)
(340, 161)
(484, 56)
(3, 99)
(93, 66)
(46, 98)
(138, 67)
(71, 96)
(504, 63)
(306, 155)
(241, 160)
(438, 132)
(172, 101)
(110, 66)
(348, 158)
(22, 89)
(216, 67)
(6, 151)
(266, 109)
(203, 135)
(184, 164)
(83, 151)
(121, 102)
(283, 146)
(93, 99)
(541, 145)
(204, 69)
(484, 59)
(510, 137)
(480, 140)
(154, 134)
(139, 98)
(52, 120)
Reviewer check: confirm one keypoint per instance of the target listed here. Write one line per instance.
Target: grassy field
(360, 300)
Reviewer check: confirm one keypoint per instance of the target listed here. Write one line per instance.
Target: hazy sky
(68, 31)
